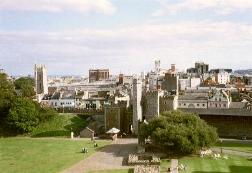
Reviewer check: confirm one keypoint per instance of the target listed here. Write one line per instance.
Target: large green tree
(23, 115)
(26, 86)
(7, 94)
(185, 132)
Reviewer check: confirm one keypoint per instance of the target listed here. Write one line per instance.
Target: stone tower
(136, 100)
(157, 66)
(40, 76)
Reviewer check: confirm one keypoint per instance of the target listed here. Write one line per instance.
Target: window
(203, 105)
(198, 105)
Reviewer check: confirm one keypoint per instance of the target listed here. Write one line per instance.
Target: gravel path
(110, 157)
(232, 152)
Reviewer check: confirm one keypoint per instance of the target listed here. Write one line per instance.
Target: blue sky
(71, 36)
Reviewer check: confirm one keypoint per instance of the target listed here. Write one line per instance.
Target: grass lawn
(115, 171)
(246, 147)
(42, 155)
(209, 165)
(60, 125)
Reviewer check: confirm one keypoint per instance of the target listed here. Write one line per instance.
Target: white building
(189, 83)
(222, 77)
(63, 99)
(195, 82)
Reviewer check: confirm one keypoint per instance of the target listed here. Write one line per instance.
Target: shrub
(187, 133)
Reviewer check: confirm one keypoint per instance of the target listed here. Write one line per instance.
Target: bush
(23, 115)
(187, 133)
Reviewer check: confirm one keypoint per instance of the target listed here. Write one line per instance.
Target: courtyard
(24, 154)
(43, 154)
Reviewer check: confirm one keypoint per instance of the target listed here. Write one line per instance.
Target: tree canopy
(18, 112)
(7, 94)
(26, 86)
(23, 115)
(186, 132)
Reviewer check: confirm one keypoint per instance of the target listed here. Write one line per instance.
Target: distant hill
(243, 72)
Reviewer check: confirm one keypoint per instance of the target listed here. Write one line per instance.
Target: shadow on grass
(77, 124)
(53, 133)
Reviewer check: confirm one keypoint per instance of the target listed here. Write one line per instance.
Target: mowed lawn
(233, 164)
(18, 155)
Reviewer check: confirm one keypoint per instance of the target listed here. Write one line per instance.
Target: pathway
(110, 157)
(232, 152)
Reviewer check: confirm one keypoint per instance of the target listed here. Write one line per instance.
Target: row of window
(203, 105)
(62, 103)
(218, 105)
(198, 105)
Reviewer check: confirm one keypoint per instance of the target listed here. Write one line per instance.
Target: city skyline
(70, 37)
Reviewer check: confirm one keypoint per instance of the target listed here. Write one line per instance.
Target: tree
(7, 94)
(26, 86)
(23, 115)
(186, 132)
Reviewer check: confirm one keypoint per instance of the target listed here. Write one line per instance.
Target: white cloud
(81, 6)
(131, 48)
(223, 7)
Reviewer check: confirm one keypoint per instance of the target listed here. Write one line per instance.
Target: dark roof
(87, 128)
(68, 95)
(79, 95)
(193, 97)
(228, 112)
(56, 96)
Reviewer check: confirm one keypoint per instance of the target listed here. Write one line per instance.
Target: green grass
(18, 155)
(164, 165)
(114, 171)
(196, 164)
(246, 147)
(61, 125)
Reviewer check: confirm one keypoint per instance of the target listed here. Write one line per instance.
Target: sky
(126, 36)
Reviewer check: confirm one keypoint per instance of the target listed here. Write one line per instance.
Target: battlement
(39, 68)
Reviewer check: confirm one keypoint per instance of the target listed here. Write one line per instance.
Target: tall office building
(98, 74)
(201, 67)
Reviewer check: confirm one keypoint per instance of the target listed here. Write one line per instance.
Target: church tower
(40, 76)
